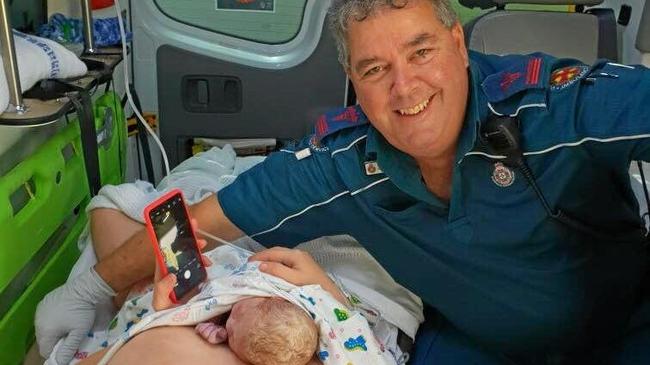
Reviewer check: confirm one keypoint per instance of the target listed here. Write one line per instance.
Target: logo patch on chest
(502, 175)
(566, 76)
(372, 168)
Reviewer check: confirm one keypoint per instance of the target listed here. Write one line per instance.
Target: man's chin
(413, 150)
(423, 150)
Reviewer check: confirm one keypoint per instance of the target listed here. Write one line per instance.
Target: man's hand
(298, 268)
(69, 312)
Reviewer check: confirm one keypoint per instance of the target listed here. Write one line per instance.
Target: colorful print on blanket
(345, 335)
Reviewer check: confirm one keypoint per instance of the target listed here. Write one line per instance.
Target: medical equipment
(129, 97)
(224, 242)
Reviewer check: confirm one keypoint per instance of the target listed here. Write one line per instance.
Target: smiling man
(406, 68)
(494, 187)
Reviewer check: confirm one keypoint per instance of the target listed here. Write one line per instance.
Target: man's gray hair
(342, 11)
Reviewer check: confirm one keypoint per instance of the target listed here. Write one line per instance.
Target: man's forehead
(421, 38)
(415, 39)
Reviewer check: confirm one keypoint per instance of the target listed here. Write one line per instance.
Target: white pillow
(39, 58)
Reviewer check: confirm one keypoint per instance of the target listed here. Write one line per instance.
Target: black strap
(143, 135)
(83, 106)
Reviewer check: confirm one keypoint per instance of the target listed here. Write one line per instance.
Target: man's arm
(134, 260)
(212, 219)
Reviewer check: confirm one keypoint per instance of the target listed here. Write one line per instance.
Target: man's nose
(404, 83)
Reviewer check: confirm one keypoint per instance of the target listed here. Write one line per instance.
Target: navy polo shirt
(491, 260)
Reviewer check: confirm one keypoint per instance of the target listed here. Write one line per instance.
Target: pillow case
(39, 58)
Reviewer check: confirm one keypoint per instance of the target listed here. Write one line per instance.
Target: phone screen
(176, 242)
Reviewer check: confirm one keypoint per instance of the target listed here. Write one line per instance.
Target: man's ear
(458, 35)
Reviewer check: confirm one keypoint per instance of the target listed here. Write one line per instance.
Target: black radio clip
(501, 136)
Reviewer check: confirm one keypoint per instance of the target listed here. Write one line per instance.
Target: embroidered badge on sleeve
(566, 76)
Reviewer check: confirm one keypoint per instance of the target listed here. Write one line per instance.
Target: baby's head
(266, 331)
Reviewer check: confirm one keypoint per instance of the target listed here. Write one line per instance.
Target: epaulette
(521, 73)
(338, 119)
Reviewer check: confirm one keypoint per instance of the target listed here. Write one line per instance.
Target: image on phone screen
(173, 232)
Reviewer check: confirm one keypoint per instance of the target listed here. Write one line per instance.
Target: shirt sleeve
(285, 200)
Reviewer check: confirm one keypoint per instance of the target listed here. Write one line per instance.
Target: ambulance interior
(201, 74)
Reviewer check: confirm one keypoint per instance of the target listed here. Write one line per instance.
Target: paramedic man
(407, 175)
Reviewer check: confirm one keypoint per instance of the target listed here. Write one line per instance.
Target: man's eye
(422, 52)
(373, 71)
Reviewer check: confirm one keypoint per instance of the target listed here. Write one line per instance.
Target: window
(273, 27)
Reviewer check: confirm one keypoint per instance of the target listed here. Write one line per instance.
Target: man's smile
(415, 109)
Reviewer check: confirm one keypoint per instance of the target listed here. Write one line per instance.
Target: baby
(265, 331)
(259, 330)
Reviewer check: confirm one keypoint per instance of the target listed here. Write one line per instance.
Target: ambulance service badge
(566, 76)
(502, 176)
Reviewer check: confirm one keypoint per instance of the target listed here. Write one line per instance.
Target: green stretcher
(42, 214)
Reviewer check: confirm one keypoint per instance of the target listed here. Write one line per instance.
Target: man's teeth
(414, 110)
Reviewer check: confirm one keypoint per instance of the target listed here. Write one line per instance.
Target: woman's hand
(298, 268)
(164, 285)
(162, 289)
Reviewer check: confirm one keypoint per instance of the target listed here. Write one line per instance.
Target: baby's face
(243, 317)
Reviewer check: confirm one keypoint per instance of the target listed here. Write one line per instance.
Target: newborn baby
(264, 331)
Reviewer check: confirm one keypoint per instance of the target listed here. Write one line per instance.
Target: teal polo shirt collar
(400, 167)
(403, 170)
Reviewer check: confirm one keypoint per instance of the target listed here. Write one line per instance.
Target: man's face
(410, 75)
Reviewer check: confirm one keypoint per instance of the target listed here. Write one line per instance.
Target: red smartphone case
(154, 239)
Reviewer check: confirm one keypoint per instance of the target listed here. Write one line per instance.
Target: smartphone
(174, 241)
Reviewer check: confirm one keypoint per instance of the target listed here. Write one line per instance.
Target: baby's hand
(211, 332)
